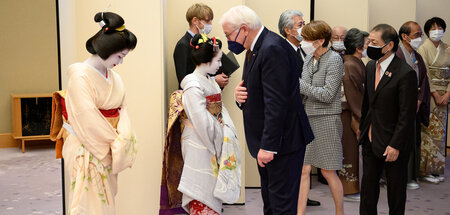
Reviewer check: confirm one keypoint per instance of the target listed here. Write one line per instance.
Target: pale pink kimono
(95, 151)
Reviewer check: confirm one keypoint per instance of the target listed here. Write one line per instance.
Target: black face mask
(375, 52)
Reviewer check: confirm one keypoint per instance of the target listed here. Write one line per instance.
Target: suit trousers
(396, 179)
(414, 158)
(280, 183)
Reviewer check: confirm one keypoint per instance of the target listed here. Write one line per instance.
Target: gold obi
(439, 76)
(214, 106)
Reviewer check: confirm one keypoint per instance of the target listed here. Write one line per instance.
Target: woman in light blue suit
(320, 86)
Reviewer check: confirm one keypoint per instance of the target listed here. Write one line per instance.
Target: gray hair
(238, 15)
(354, 39)
(286, 20)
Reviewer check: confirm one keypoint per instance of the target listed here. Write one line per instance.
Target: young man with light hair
(199, 16)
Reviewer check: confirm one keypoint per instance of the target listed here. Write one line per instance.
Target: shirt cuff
(270, 151)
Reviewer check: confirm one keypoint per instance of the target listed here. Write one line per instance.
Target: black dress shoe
(312, 203)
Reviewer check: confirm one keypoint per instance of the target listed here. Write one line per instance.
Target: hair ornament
(102, 23)
(214, 44)
(121, 28)
(195, 47)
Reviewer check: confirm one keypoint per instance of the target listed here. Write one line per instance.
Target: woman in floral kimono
(100, 141)
(201, 164)
(204, 132)
(436, 56)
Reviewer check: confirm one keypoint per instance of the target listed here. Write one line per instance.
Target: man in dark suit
(276, 126)
(387, 121)
(199, 17)
(410, 35)
(290, 26)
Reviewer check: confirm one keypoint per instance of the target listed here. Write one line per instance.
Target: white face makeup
(115, 59)
(215, 64)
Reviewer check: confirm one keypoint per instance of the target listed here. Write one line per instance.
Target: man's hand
(358, 133)
(222, 80)
(240, 93)
(264, 157)
(391, 154)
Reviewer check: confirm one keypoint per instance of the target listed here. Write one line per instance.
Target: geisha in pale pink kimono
(99, 141)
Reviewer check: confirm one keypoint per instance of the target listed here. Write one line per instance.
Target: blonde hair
(199, 10)
(238, 15)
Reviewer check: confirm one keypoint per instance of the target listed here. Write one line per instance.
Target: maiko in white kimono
(211, 171)
(99, 145)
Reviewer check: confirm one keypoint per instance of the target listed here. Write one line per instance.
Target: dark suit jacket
(300, 62)
(274, 117)
(423, 115)
(391, 108)
(182, 58)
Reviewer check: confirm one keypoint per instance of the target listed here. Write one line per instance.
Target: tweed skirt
(325, 151)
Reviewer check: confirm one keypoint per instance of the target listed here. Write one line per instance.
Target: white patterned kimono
(437, 60)
(97, 147)
(205, 166)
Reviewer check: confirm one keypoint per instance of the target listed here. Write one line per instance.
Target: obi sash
(439, 76)
(60, 125)
(171, 198)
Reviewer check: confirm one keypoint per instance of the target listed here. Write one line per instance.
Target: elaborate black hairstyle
(204, 48)
(112, 38)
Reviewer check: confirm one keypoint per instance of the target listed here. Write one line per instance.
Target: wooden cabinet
(31, 117)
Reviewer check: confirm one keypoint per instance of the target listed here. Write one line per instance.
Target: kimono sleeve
(90, 126)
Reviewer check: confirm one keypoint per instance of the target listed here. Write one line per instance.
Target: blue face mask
(236, 47)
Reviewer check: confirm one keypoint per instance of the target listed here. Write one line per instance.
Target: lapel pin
(389, 74)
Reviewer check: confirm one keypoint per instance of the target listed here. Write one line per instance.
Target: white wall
(427, 9)
(347, 13)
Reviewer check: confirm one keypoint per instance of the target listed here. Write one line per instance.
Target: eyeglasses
(417, 35)
(229, 34)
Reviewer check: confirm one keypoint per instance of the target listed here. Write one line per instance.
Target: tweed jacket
(321, 84)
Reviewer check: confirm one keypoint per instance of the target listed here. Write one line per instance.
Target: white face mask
(364, 53)
(207, 28)
(415, 43)
(308, 47)
(299, 36)
(436, 35)
(338, 45)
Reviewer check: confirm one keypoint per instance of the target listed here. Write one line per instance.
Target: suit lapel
(370, 79)
(386, 76)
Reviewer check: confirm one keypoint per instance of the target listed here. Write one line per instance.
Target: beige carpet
(30, 184)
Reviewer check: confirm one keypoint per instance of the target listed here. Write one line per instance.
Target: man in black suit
(199, 17)
(276, 126)
(290, 26)
(388, 121)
